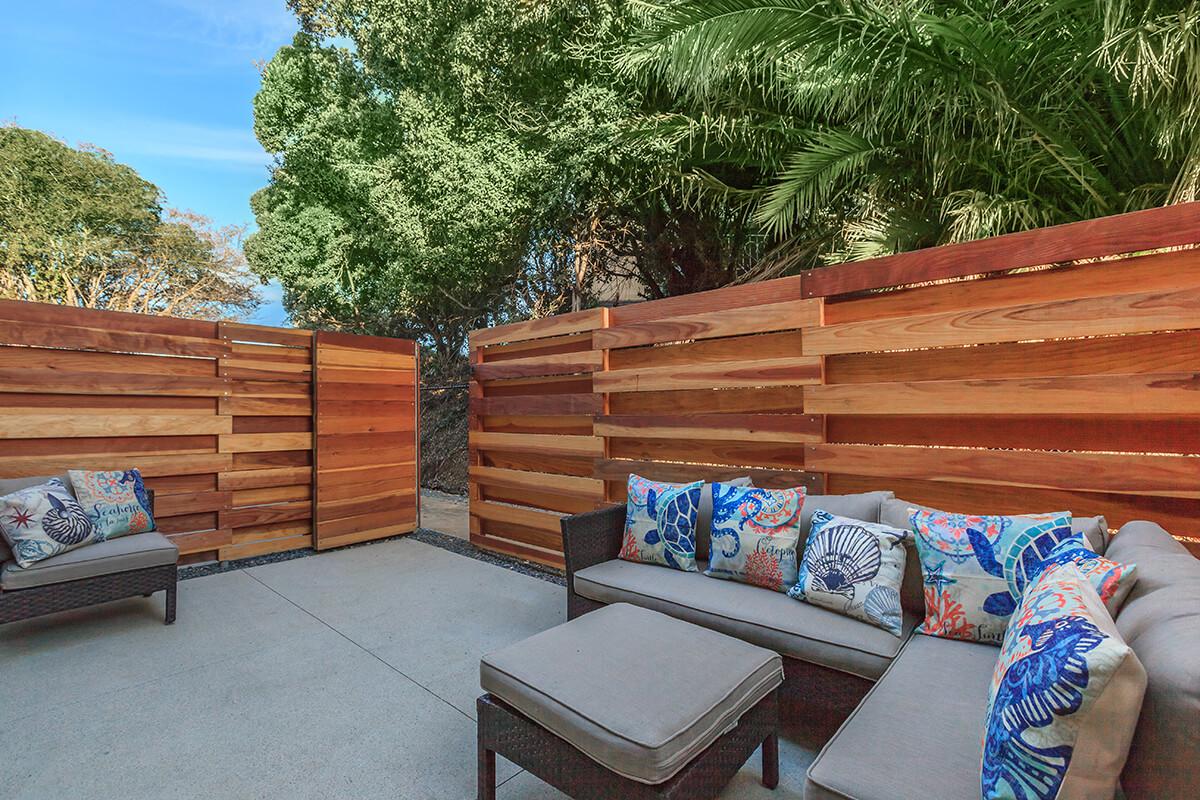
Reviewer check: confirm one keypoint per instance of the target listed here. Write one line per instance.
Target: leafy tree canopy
(79, 229)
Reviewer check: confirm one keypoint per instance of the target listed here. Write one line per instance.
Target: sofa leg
(487, 772)
(770, 761)
(170, 617)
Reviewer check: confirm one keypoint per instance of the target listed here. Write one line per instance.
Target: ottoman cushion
(637, 691)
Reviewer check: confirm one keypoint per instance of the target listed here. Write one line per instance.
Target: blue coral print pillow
(1065, 696)
(1111, 580)
(660, 523)
(116, 501)
(43, 521)
(754, 535)
(975, 567)
(854, 568)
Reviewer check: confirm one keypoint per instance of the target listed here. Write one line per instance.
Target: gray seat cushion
(122, 554)
(639, 692)
(760, 616)
(1161, 622)
(917, 734)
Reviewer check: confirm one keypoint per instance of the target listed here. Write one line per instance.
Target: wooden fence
(1052, 369)
(219, 417)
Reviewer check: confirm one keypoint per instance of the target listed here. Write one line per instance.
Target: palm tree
(875, 126)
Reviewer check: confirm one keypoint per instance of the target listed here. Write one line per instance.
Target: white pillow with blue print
(660, 523)
(1065, 696)
(43, 521)
(754, 535)
(854, 568)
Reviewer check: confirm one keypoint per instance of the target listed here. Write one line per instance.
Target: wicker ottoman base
(504, 730)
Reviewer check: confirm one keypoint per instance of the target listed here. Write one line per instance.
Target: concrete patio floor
(350, 674)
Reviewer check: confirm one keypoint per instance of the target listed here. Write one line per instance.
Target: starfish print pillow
(43, 521)
(975, 567)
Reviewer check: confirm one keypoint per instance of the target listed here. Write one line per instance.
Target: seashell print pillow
(854, 568)
(660, 523)
(116, 501)
(43, 521)
(975, 567)
(754, 535)
(1064, 699)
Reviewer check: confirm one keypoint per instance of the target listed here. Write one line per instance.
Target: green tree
(77, 228)
(890, 126)
(445, 164)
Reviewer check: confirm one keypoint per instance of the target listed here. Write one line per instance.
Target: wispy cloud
(219, 145)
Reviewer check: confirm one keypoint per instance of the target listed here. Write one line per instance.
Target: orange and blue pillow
(854, 568)
(1066, 689)
(754, 535)
(1111, 580)
(660, 523)
(975, 567)
(115, 500)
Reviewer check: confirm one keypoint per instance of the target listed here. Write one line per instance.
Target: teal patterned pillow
(43, 521)
(854, 568)
(1065, 696)
(754, 535)
(975, 567)
(660, 523)
(116, 501)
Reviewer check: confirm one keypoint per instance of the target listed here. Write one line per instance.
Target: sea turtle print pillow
(975, 567)
(660, 523)
(116, 501)
(42, 521)
(754, 535)
(1064, 699)
(854, 568)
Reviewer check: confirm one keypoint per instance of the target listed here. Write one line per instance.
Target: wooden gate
(366, 448)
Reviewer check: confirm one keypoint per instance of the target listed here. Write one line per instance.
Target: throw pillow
(754, 535)
(660, 523)
(1065, 696)
(115, 501)
(1112, 581)
(854, 568)
(42, 521)
(704, 517)
(975, 568)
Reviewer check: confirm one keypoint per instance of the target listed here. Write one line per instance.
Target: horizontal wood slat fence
(219, 418)
(1046, 370)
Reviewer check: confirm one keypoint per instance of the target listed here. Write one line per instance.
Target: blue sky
(165, 85)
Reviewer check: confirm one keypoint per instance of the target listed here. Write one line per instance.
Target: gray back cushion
(912, 592)
(1161, 622)
(704, 515)
(10, 485)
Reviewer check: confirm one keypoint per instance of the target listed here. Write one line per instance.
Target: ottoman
(630, 703)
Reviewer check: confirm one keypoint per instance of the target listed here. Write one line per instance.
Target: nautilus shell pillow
(854, 568)
(660, 523)
(1065, 696)
(975, 568)
(42, 521)
(754, 535)
(115, 500)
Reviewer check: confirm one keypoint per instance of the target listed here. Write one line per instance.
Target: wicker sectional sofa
(911, 709)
